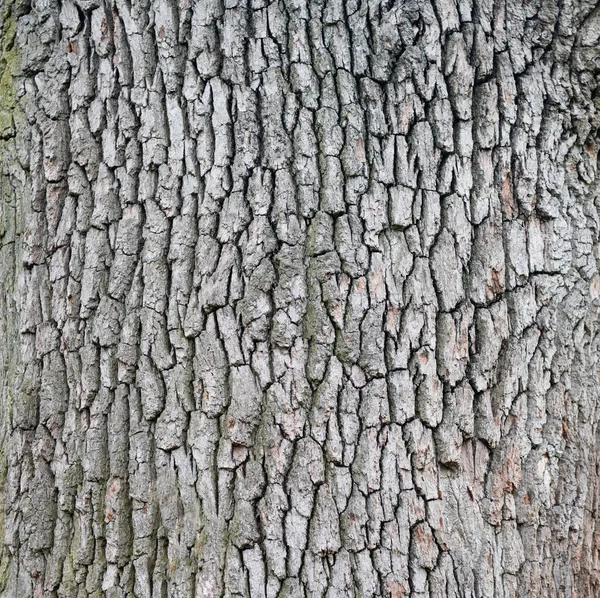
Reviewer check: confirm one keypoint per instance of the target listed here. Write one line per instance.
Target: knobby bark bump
(299, 298)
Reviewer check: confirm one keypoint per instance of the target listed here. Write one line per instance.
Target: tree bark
(299, 298)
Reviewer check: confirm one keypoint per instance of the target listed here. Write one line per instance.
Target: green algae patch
(9, 67)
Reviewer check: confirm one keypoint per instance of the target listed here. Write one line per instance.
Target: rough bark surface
(299, 298)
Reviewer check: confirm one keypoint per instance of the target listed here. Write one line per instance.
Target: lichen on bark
(9, 231)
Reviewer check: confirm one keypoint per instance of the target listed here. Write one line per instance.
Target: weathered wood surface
(299, 298)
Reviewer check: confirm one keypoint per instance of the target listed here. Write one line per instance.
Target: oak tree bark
(299, 298)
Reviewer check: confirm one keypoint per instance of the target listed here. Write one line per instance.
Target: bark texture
(299, 298)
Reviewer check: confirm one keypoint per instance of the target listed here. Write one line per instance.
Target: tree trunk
(299, 298)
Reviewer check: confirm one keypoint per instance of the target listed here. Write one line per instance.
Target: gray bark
(299, 298)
